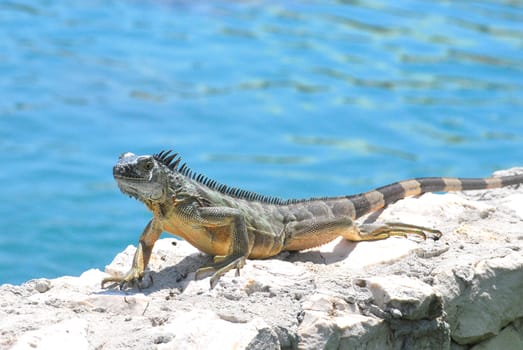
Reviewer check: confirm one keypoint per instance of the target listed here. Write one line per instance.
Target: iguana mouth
(131, 178)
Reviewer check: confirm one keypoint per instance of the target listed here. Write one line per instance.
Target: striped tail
(368, 202)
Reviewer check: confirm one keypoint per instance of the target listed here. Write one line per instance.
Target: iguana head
(142, 177)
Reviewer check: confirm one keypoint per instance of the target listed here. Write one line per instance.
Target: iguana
(232, 224)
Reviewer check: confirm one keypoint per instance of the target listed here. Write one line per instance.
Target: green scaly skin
(232, 224)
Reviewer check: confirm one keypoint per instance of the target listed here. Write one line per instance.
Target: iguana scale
(233, 224)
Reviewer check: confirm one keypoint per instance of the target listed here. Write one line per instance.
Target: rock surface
(461, 292)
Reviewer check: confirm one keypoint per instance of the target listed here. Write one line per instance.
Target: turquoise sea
(287, 98)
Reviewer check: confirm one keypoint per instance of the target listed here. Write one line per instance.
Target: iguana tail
(367, 202)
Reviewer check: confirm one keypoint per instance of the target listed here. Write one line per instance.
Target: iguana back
(232, 224)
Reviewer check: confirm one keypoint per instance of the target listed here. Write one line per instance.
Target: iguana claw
(131, 278)
(222, 264)
(398, 229)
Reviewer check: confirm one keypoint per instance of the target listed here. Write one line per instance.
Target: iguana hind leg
(315, 232)
(371, 232)
(312, 233)
(222, 264)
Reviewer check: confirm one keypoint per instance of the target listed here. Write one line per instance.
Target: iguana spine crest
(232, 224)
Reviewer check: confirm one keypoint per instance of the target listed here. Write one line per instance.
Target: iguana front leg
(141, 257)
(239, 250)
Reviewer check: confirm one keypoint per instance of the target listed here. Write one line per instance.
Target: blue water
(287, 98)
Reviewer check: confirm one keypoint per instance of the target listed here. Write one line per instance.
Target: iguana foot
(381, 231)
(221, 265)
(130, 279)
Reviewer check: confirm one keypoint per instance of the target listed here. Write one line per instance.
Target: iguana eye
(149, 165)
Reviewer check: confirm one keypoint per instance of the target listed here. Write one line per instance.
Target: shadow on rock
(340, 250)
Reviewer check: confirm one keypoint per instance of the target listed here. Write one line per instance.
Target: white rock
(42, 285)
(203, 329)
(89, 279)
(510, 338)
(330, 322)
(117, 302)
(360, 255)
(482, 299)
(430, 209)
(69, 288)
(508, 172)
(122, 262)
(405, 297)
(68, 334)
(515, 202)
